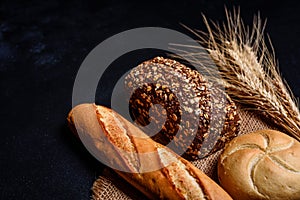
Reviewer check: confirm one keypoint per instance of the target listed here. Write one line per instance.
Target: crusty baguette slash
(150, 167)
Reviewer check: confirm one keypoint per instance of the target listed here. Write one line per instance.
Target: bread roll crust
(108, 131)
(261, 165)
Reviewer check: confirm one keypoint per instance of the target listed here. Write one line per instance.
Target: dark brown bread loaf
(115, 138)
(180, 91)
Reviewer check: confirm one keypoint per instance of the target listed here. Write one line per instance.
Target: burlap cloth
(110, 186)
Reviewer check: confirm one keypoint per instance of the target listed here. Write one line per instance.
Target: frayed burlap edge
(109, 186)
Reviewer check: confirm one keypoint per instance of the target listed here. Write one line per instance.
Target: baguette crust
(152, 168)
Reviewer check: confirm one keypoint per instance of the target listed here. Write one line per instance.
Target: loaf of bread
(149, 166)
(261, 165)
(181, 90)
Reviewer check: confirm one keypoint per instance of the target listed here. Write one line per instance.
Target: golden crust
(261, 165)
(158, 184)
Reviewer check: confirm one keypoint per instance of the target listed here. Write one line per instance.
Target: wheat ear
(249, 69)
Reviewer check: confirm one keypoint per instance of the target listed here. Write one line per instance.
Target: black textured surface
(42, 44)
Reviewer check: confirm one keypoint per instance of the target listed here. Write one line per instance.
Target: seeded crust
(187, 103)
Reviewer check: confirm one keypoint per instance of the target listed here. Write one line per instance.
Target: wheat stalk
(249, 69)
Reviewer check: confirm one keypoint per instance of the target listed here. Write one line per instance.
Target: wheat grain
(249, 69)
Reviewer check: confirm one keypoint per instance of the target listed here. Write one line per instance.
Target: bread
(261, 165)
(181, 90)
(149, 166)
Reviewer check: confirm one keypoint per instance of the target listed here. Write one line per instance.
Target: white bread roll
(261, 165)
(110, 134)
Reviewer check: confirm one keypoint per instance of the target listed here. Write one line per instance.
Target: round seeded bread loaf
(185, 105)
(261, 165)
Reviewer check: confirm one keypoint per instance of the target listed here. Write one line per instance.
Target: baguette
(152, 168)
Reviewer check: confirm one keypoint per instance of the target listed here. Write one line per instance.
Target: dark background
(42, 45)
